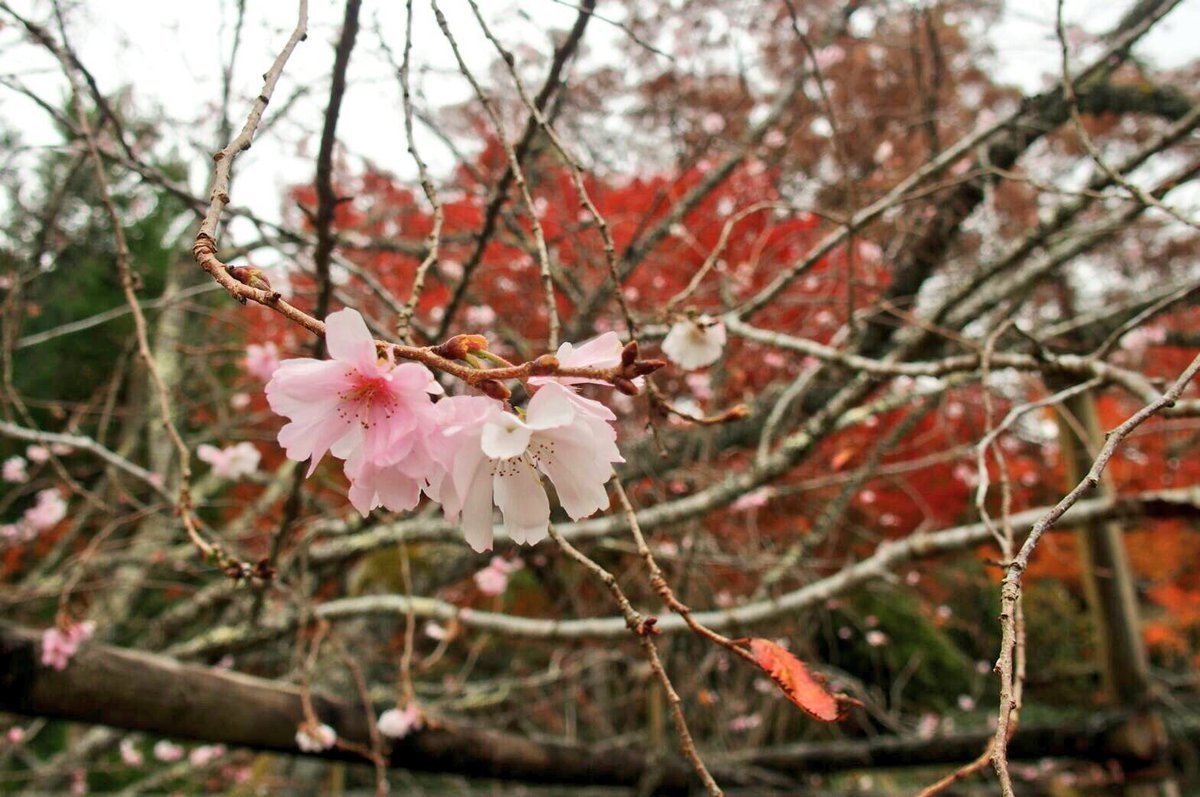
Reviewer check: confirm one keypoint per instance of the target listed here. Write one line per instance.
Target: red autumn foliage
(806, 689)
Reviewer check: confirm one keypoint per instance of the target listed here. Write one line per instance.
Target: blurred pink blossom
(829, 56)
(712, 123)
(397, 723)
(261, 360)
(745, 722)
(493, 579)
(49, 509)
(876, 638)
(231, 462)
(205, 754)
(755, 499)
(129, 753)
(37, 454)
(13, 470)
(59, 646)
(167, 752)
(315, 740)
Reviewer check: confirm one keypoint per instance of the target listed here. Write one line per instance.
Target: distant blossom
(261, 360)
(59, 645)
(493, 579)
(695, 343)
(167, 752)
(231, 462)
(130, 755)
(205, 754)
(755, 499)
(49, 509)
(13, 470)
(397, 723)
(315, 740)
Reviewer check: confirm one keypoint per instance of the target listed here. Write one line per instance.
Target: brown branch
(143, 692)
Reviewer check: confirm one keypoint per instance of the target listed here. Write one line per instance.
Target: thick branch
(143, 692)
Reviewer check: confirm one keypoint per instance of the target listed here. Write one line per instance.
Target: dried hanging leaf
(842, 457)
(805, 689)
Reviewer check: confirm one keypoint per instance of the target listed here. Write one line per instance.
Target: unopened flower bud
(545, 365)
(629, 354)
(248, 275)
(493, 388)
(626, 386)
(459, 346)
(643, 367)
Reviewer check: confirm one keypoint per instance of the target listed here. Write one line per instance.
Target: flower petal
(504, 436)
(522, 501)
(350, 341)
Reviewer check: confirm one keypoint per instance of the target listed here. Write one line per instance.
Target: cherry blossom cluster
(58, 645)
(400, 437)
(49, 508)
(15, 469)
(232, 462)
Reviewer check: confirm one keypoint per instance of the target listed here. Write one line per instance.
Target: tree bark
(154, 694)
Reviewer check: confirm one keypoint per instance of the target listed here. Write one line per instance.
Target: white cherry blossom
(695, 343)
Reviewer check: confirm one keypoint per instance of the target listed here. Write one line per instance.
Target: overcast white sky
(166, 50)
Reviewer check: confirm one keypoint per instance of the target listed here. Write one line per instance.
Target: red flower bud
(643, 367)
(629, 354)
(545, 365)
(248, 275)
(495, 389)
(459, 346)
(626, 386)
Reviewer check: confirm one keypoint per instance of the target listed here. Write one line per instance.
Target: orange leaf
(841, 458)
(802, 687)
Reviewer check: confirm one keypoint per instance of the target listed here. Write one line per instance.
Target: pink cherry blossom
(315, 740)
(695, 343)
(712, 123)
(37, 454)
(129, 753)
(745, 723)
(603, 351)
(13, 533)
(354, 403)
(167, 752)
(58, 646)
(829, 56)
(481, 316)
(492, 455)
(205, 754)
(13, 470)
(261, 360)
(493, 579)
(876, 638)
(700, 385)
(232, 462)
(396, 486)
(755, 499)
(47, 512)
(15, 735)
(774, 138)
(398, 723)
(239, 401)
